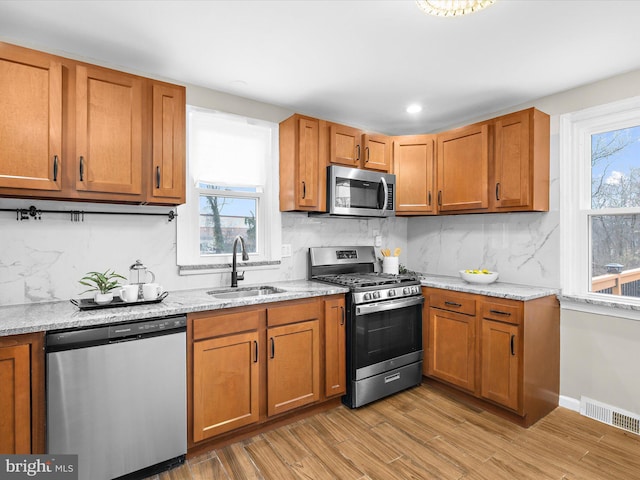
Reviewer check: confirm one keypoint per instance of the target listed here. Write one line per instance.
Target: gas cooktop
(359, 280)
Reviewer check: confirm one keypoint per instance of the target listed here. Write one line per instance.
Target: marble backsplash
(42, 260)
(522, 247)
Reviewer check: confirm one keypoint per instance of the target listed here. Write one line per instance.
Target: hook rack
(76, 215)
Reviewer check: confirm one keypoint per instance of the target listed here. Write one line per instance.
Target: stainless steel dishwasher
(116, 396)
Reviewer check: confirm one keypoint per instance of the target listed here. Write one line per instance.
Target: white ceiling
(356, 62)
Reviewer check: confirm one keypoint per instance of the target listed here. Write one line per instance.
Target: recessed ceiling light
(414, 108)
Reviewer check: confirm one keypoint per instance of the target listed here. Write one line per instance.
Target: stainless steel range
(384, 322)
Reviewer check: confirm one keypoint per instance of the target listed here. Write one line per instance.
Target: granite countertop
(38, 317)
(511, 291)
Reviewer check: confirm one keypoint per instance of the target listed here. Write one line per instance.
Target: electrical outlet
(285, 250)
(377, 241)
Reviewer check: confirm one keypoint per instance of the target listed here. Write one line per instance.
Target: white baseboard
(570, 403)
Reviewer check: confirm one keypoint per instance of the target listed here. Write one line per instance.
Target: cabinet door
(463, 169)
(15, 400)
(108, 132)
(308, 163)
(30, 120)
(512, 161)
(413, 167)
(500, 363)
(335, 348)
(344, 145)
(168, 144)
(293, 375)
(452, 348)
(377, 152)
(226, 384)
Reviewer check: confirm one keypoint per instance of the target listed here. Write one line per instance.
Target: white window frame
(268, 216)
(575, 204)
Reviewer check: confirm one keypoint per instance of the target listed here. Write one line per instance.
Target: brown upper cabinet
(352, 147)
(413, 165)
(302, 173)
(520, 162)
(108, 132)
(168, 157)
(82, 132)
(463, 169)
(30, 120)
(500, 165)
(345, 145)
(376, 152)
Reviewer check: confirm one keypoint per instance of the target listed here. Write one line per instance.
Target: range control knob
(376, 294)
(406, 290)
(392, 293)
(367, 296)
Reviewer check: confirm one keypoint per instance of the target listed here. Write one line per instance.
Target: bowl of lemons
(483, 276)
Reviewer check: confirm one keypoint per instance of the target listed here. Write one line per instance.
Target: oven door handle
(388, 305)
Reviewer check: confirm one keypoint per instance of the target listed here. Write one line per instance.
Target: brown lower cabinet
(503, 354)
(22, 409)
(248, 366)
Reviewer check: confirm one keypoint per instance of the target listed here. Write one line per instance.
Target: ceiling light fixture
(452, 8)
(414, 108)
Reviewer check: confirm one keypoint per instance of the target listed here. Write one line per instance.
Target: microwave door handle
(386, 194)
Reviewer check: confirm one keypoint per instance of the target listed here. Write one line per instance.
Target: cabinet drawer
(453, 302)
(226, 324)
(503, 311)
(291, 313)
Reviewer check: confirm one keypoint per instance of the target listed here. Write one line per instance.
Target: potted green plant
(102, 284)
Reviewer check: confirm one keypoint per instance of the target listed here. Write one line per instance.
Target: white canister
(390, 265)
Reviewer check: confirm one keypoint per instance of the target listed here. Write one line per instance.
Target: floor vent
(610, 415)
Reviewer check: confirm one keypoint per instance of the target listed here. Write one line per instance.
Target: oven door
(385, 335)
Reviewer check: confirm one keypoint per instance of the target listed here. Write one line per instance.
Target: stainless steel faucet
(234, 267)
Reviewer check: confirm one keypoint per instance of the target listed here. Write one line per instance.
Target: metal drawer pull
(342, 317)
(358, 154)
(304, 190)
(453, 304)
(157, 177)
(429, 201)
(498, 191)
(498, 312)
(55, 168)
(273, 348)
(392, 378)
(255, 351)
(81, 168)
(513, 351)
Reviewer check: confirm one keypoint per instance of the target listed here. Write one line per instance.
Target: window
(600, 185)
(232, 189)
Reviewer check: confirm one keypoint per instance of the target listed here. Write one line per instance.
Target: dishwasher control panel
(78, 338)
(149, 326)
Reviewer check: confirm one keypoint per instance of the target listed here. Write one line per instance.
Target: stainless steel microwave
(360, 193)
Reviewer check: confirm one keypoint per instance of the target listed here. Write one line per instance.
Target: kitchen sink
(245, 292)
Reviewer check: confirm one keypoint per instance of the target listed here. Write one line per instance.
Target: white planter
(103, 298)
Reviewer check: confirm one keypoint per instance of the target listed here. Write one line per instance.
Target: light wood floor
(423, 434)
